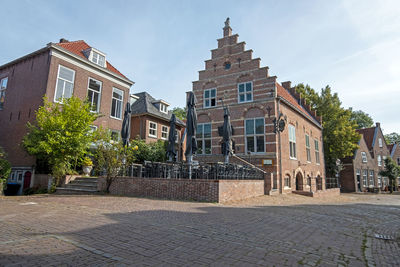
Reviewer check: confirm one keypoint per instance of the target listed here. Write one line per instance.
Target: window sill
(242, 102)
(152, 136)
(115, 118)
(292, 158)
(204, 107)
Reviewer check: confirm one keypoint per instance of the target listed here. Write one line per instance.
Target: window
(308, 150)
(364, 156)
(227, 65)
(358, 175)
(98, 59)
(177, 136)
(94, 94)
(292, 142)
(93, 128)
(114, 135)
(164, 132)
(163, 108)
(379, 181)
(398, 161)
(379, 160)
(365, 181)
(116, 103)
(316, 145)
(255, 135)
(380, 142)
(286, 181)
(210, 98)
(383, 161)
(3, 87)
(203, 136)
(65, 83)
(245, 92)
(371, 178)
(152, 129)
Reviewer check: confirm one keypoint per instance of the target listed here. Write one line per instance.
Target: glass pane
(59, 91)
(95, 101)
(207, 146)
(94, 85)
(249, 127)
(117, 94)
(199, 133)
(68, 90)
(307, 141)
(4, 83)
(90, 96)
(207, 130)
(207, 104)
(113, 107)
(213, 102)
(241, 98)
(206, 94)
(250, 143)
(241, 88)
(259, 126)
(119, 109)
(260, 143)
(248, 97)
(248, 87)
(66, 74)
(213, 93)
(199, 146)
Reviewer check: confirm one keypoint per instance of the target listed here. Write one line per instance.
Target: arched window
(286, 181)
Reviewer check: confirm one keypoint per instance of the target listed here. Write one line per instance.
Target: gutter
(301, 112)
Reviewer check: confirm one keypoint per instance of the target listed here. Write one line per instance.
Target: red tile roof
(368, 134)
(77, 47)
(285, 94)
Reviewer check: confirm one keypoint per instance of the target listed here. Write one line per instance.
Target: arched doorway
(319, 183)
(27, 180)
(299, 182)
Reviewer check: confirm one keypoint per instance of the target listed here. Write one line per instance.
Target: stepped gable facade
(232, 77)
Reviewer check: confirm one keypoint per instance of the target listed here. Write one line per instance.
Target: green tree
(392, 138)
(149, 152)
(339, 136)
(391, 171)
(362, 119)
(5, 168)
(111, 156)
(61, 134)
(180, 113)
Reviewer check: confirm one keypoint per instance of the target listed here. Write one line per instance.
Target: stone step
(81, 185)
(85, 179)
(84, 182)
(75, 191)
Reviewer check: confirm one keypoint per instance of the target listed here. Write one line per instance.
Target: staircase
(79, 186)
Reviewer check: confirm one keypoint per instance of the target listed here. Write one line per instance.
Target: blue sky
(353, 46)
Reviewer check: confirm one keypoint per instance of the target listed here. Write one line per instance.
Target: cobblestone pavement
(285, 230)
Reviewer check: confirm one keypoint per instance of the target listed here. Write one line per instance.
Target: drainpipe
(280, 157)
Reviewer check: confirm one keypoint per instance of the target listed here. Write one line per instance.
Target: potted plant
(87, 166)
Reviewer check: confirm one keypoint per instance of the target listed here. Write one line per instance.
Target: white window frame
(380, 142)
(364, 157)
(94, 92)
(203, 139)
(286, 180)
(308, 148)
(316, 147)
(3, 90)
(116, 99)
(65, 81)
(117, 133)
(245, 92)
(209, 98)
(254, 135)
(379, 181)
(163, 108)
(379, 160)
(292, 141)
(365, 178)
(96, 60)
(153, 129)
(164, 130)
(371, 178)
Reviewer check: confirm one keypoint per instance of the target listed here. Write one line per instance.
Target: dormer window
(96, 56)
(163, 108)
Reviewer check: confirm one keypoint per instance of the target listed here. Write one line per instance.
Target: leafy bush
(87, 162)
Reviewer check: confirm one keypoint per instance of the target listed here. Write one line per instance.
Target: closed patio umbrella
(171, 152)
(126, 125)
(191, 128)
(227, 135)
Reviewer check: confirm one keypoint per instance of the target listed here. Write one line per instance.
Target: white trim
(92, 67)
(238, 93)
(150, 135)
(255, 136)
(162, 127)
(293, 141)
(122, 104)
(209, 98)
(100, 93)
(58, 77)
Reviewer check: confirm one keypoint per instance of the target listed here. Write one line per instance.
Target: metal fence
(332, 182)
(213, 171)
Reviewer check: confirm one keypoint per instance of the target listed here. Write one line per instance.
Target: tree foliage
(61, 134)
(5, 167)
(180, 113)
(391, 171)
(339, 136)
(363, 120)
(150, 152)
(392, 138)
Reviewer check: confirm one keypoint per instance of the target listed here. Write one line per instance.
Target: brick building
(295, 156)
(58, 70)
(361, 172)
(150, 119)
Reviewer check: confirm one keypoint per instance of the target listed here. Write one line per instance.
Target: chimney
(63, 40)
(287, 85)
(378, 124)
(227, 28)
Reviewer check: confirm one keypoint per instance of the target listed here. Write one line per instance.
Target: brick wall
(182, 189)
(321, 193)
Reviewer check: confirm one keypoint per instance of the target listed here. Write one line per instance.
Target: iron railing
(213, 171)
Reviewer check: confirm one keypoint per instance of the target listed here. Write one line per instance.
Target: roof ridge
(72, 42)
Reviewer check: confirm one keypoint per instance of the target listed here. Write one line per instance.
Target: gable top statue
(227, 22)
